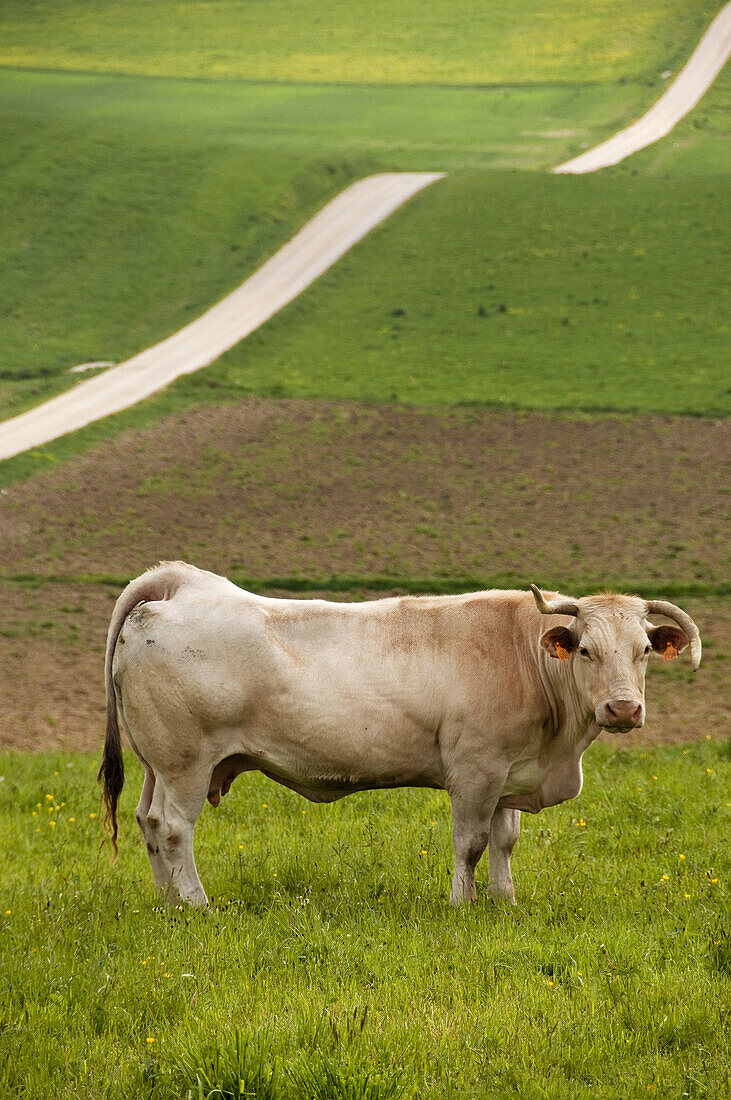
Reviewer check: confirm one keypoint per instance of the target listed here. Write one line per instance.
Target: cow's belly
(347, 742)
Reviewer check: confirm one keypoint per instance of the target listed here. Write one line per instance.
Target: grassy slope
(407, 127)
(599, 292)
(116, 236)
(131, 205)
(328, 914)
(376, 41)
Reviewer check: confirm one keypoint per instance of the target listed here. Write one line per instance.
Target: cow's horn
(682, 618)
(554, 607)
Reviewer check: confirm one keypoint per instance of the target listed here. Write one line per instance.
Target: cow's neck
(573, 717)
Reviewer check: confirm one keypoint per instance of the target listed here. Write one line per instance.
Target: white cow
(470, 694)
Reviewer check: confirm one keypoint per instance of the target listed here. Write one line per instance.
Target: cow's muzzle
(620, 715)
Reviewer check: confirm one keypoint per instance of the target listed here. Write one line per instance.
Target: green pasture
(372, 42)
(114, 238)
(331, 949)
(603, 292)
(410, 128)
(129, 206)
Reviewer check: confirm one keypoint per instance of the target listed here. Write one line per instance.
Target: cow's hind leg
(504, 831)
(171, 821)
(157, 863)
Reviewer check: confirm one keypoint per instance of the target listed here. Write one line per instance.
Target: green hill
(373, 42)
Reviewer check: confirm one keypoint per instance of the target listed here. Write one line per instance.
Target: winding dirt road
(337, 227)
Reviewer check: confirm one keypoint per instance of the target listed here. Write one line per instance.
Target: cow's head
(608, 641)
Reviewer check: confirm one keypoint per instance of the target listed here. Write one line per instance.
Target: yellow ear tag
(561, 653)
(670, 652)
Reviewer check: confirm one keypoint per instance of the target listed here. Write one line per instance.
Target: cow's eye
(648, 647)
(584, 652)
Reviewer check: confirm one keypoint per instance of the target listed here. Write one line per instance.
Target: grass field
(330, 943)
(115, 236)
(600, 292)
(130, 205)
(407, 42)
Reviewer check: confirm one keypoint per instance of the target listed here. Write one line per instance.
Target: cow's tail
(157, 584)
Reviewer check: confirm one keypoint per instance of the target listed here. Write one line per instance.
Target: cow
(492, 696)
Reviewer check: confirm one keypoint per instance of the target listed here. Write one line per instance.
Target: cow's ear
(668, 641)
(560, 642)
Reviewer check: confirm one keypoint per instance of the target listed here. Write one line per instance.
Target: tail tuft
(111, 772)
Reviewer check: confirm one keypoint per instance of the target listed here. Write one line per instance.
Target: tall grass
(330, 963)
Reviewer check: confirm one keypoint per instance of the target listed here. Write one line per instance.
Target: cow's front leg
(472, 813)
(504, 831)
